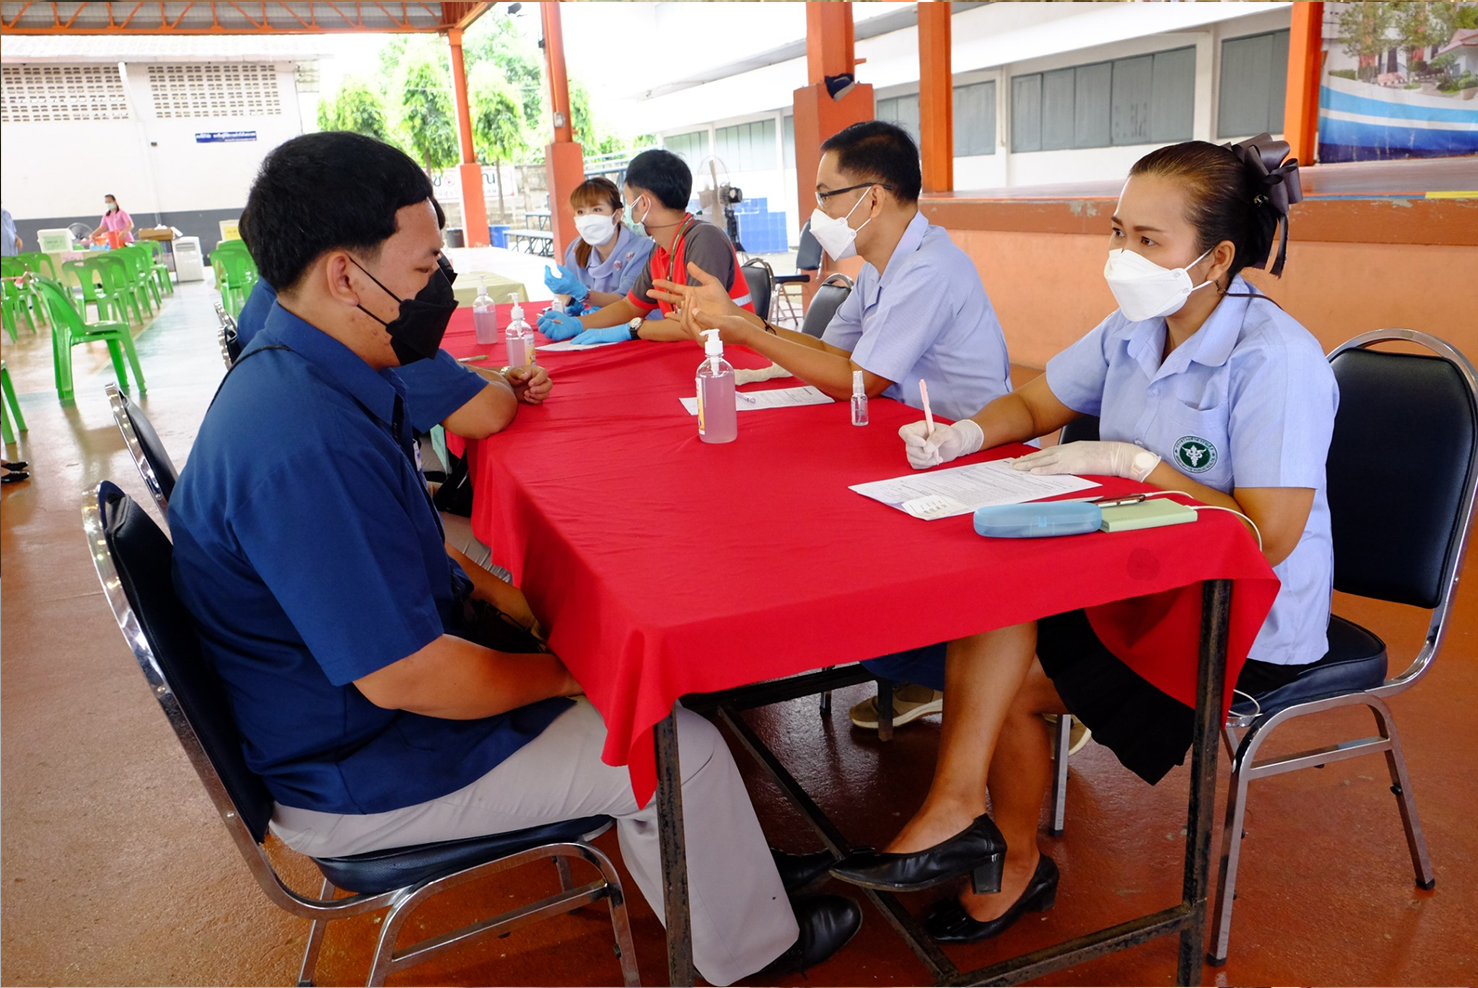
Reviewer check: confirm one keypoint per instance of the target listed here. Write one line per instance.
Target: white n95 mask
(595, 229)
(834, 235)
(1143, 289)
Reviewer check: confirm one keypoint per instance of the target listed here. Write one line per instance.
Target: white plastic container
(520, 338)
(718, 418)
(859, 399)
(189, 265)
(54, 241)
(484, 316)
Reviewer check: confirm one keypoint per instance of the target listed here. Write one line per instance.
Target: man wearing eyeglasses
(918, 312)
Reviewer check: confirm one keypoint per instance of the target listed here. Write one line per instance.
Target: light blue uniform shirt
(617, 273)
(1247, 401)
(927, 318)
(7, 234)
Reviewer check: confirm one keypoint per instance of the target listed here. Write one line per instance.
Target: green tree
(427, 117)
(494, 38)
(357, 108)
(497, 119)
(1424, 25)
(1364, 27)
(1466, 16)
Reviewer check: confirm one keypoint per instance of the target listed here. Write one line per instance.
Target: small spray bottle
(484, 316)
(859, 399)
(520, 338)
(718, 418)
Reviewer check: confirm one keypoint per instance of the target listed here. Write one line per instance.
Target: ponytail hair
(1238, 192)
(593, 192)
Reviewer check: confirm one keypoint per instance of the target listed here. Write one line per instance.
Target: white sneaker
(910, 702)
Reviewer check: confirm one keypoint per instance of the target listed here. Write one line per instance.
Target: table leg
(1210, 688)
(673, 843)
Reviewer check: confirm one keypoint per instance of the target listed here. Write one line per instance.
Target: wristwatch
(635, 326)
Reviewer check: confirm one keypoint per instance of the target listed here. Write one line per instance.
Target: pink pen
(928, 413)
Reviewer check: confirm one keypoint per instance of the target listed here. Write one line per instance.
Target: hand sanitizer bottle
(859, 399)
(484, 316)
(520, 337)
(718, 418)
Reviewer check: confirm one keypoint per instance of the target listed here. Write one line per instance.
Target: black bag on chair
(454, 496)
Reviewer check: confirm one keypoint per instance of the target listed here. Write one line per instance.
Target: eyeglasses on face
(821, 197)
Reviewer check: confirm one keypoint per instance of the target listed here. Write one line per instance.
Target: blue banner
(225, 136)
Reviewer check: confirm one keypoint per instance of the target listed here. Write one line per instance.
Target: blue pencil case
(1037, 521)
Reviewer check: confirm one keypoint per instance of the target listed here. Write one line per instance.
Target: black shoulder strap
(241, 360)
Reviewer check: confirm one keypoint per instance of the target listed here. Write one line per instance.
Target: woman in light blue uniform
(605, 262)
(1202, 385)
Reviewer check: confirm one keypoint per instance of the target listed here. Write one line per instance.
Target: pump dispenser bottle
(520, 337)
(718, 419)
(859, 399)
(484, 316)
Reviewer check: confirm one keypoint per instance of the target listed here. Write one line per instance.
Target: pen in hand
(928, 412)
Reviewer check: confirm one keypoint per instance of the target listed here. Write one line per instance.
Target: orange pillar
(829, 52)
(474, 206)
(1305, 62)
(936, 98)
(564, 161)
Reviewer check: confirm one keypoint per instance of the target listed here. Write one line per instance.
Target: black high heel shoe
(979, 851)
(949, 923)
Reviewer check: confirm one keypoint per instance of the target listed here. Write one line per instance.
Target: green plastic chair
(40, 263)
(80, 279)
(9, 408)
(236, 273)
(16, 298)
(116, 276)
(137, 258)
(157, 267)
(68, 330)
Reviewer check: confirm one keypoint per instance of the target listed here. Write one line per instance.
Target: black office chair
(1401, 475)
(226, 336)
(148, 453)
(807, 262)
(761, 279)
(832, 293)
(133, 562)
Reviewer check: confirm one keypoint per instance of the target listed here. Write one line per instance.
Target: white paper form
(960, 490)
(569, 345)
(753, 401)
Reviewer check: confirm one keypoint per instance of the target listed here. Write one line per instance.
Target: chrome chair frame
(226, 334)
(399, 901)
(836, 278)
(1244, 749)
(119, 403)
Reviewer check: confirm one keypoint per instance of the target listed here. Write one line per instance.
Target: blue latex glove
(558, 326)
(610, 334)
(566, 282)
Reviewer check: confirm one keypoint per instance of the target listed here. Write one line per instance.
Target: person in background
(603, 265)
(658, 186)
(919, 312)
(114, 220)
(10, 240)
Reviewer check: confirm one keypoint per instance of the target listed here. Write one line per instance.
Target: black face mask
(416, 333)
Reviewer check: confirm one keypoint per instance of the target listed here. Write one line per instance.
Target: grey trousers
(742, 919)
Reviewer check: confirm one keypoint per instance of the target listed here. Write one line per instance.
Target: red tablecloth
(662, 565)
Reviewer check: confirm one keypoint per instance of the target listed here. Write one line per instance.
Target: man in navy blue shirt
(311, 559)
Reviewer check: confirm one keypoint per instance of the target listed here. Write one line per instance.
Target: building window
(1254, 80)
(787, 140)
(975, 119)
(746, 147)
(204, 90)
(1146, 99)
(58, 93)
(903, 111)
(691, 147)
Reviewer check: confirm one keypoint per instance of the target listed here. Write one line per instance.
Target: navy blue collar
(381, 393)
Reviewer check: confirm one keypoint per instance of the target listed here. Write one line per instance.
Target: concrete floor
(116, 871)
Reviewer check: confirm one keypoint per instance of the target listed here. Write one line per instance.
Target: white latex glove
(1101, 459)
(949, 442)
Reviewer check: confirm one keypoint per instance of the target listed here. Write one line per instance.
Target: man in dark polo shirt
(309, 555)
(657, 188)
